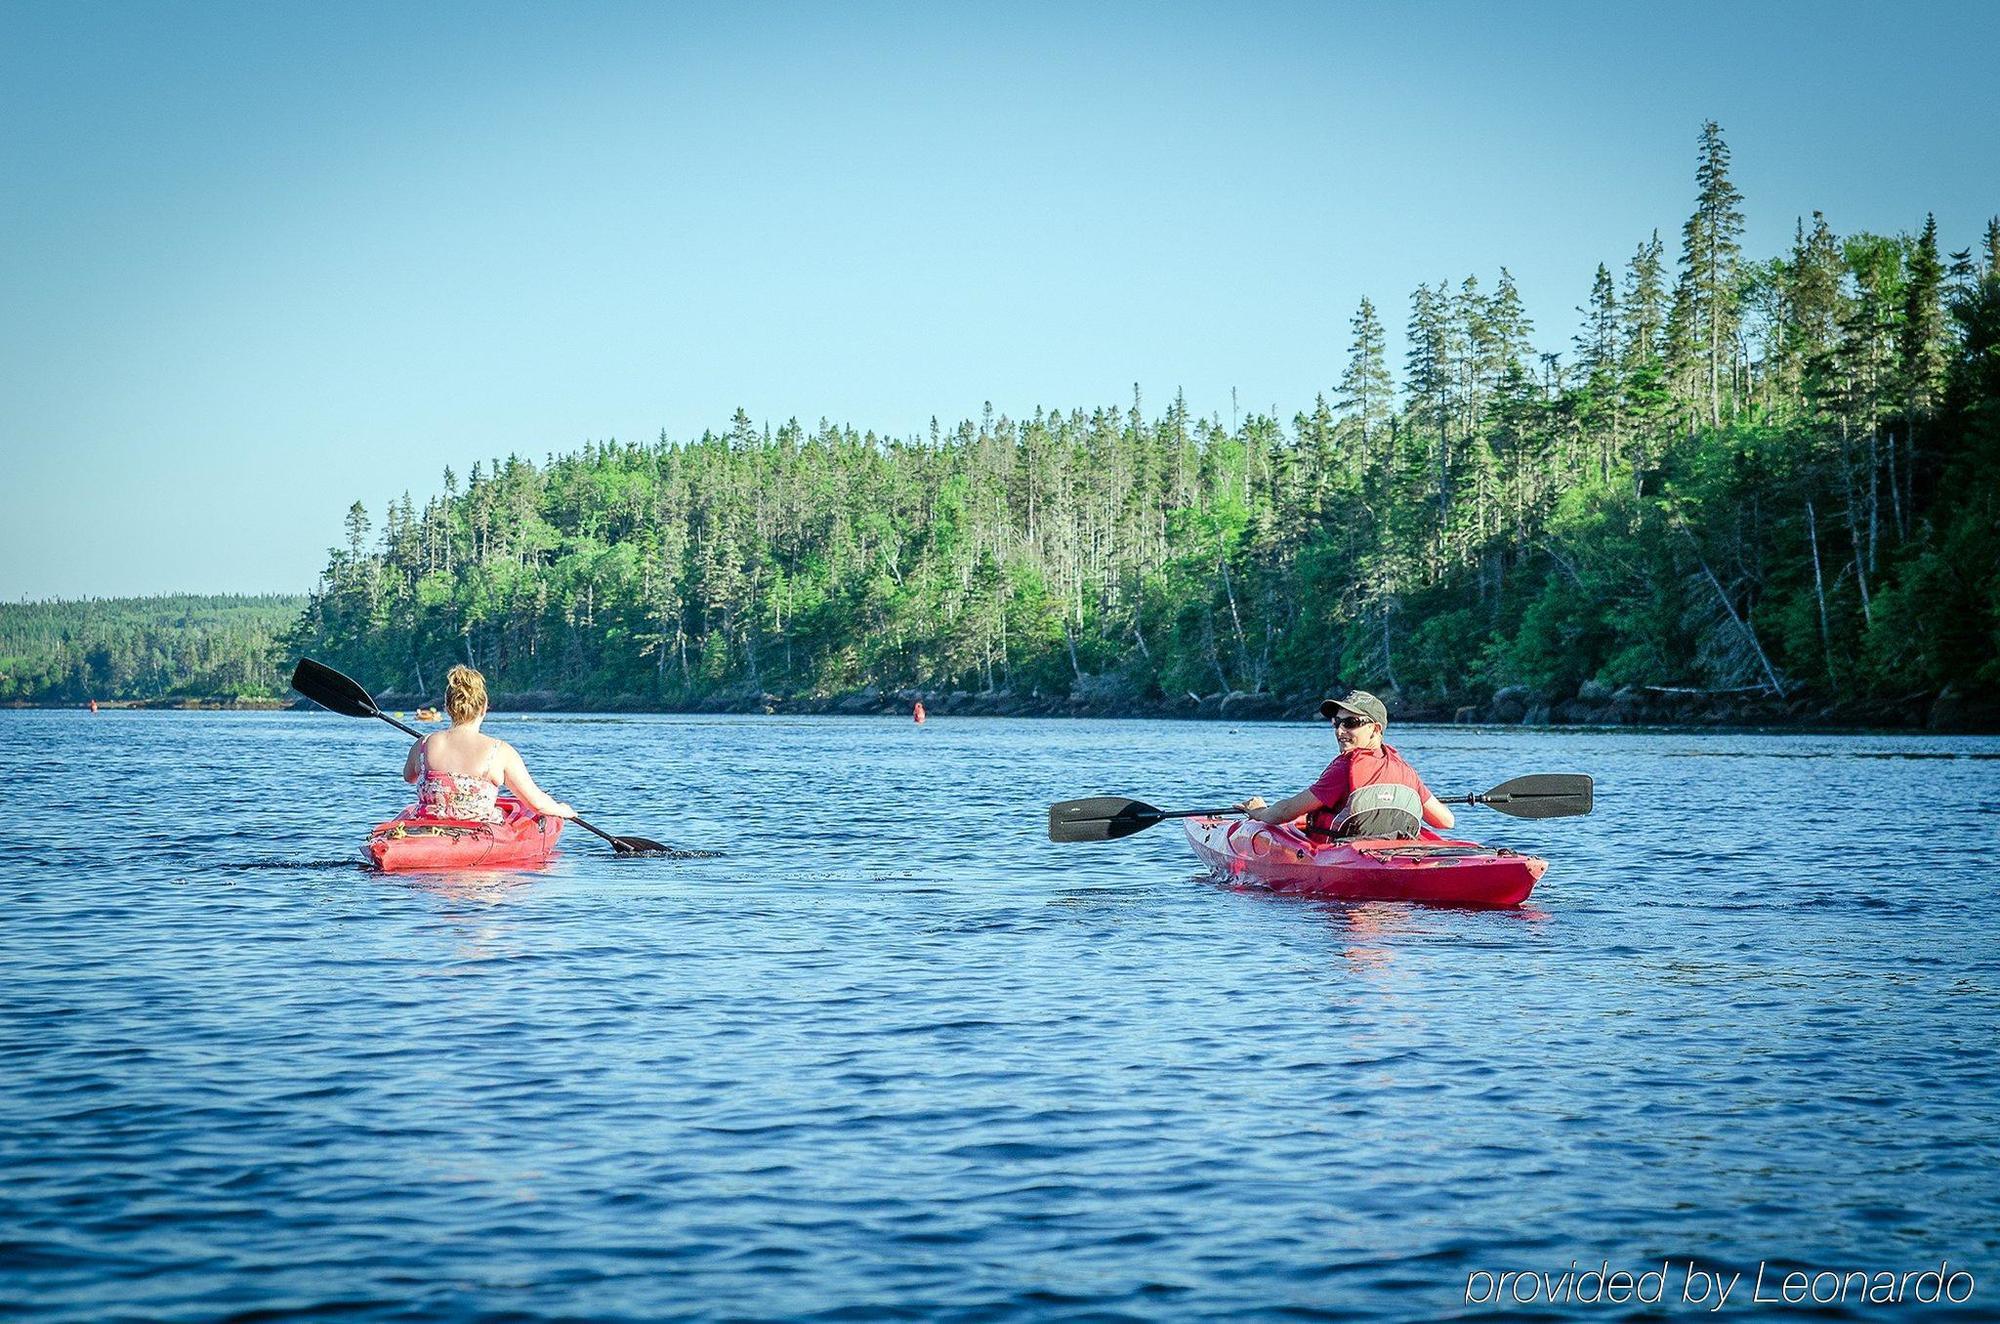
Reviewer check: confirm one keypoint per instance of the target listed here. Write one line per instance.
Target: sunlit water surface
(892, 1054)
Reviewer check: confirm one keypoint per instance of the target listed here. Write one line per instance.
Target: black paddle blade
(641, 846)
(1100, 818)
(329, 689)
(1543, 795)
(637, 845)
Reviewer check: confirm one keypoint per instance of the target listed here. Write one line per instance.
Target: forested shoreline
(174, 648)
(1758, 490)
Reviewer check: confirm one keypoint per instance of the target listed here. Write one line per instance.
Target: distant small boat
(427, 714)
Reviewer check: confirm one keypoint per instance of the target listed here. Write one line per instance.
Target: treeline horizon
(1766, 475)
(164, 646)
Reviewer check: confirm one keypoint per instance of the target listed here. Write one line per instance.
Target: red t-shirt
(1362, 767)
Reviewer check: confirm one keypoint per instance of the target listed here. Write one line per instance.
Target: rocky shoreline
(1592, 706)
(210, 703)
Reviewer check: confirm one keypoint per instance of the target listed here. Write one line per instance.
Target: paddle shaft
(1497, 801)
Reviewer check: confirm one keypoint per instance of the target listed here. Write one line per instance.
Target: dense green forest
(180, 646)
(1768, 477)
(1769, 481)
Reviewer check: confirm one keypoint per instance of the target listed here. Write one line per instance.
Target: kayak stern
(410, 841)
(1434, 870)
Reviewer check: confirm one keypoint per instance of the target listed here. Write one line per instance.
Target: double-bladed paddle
(336, 693)
(1108, 817)
(1537, 795)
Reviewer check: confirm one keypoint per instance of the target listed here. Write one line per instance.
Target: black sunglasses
(1346, 723)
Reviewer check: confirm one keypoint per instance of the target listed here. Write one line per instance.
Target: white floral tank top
(456, 795)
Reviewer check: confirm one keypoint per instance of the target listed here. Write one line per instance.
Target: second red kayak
(1436, 870)
(411, 841)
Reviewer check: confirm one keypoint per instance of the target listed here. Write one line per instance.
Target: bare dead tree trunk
(1722, 594)
(1874, 495)
(1388, 659)
(1896, 494)
(1910, 470)
(1235, 617)
(1819, 589)
(1214, 653)
(1854, 525)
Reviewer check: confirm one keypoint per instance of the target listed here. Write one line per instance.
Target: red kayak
(412, 841)
(1434, 869)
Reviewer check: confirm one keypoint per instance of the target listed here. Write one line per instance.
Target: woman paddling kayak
(458, 772)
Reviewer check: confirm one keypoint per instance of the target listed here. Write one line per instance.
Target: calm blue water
(894, 1055)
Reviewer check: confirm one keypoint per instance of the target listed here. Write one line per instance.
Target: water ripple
(842, 1066)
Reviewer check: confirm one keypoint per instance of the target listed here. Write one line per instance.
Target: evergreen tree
(1598, 362)
(357, 530)
(1366, 392)
(1597, 342)
(1428, 379)
(1921, 342)
(1643, 309)
(1710, 252)
(1508, 332)
(1816, 307)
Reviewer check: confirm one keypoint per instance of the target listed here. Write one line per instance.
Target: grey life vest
(1386, 809)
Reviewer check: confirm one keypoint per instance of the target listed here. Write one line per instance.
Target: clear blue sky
(260, 260)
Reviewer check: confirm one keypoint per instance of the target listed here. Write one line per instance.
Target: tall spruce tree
(1597, 341)
(1429, 369)
(1366, 392)
(357, 530)
(1649, 387)
(1510, 331)
(1710, 254)
(1643, 308)
(1816, 307)
(1922, 348)
(1597, 358)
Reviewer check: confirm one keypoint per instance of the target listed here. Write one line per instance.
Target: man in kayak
(1369, 791)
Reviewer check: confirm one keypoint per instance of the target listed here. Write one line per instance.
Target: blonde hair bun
(464, 693)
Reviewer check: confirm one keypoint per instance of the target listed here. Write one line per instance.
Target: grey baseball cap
(1359, 702)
